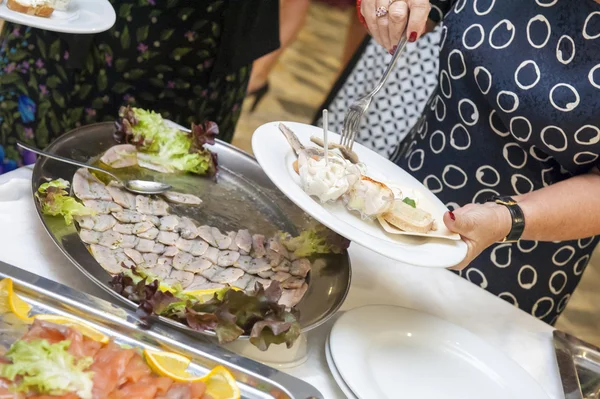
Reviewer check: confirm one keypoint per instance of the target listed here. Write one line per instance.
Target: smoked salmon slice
(136, 369)
(109, 367)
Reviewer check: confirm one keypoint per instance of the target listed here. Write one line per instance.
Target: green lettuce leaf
(317, 240)
(167, 148)
(48, 369)
(409, 201)
(55, 201)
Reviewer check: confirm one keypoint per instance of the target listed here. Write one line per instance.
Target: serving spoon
(135, 186)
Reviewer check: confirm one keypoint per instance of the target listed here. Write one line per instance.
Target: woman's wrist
(503, 222)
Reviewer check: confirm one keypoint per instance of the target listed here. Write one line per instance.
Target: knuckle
(398, 14)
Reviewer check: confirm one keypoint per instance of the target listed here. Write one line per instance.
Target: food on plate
(55, 201)
(159, 260)
(346, 153)
(331, 177)
(61, 5)
(164, 148)
(369, 197)
(120, 156)
(58, 360)
(181, 198)
(40, 8)
(407, 217)
(327, 179)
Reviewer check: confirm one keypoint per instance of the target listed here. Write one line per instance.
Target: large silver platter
(255, 380)
(241, 197)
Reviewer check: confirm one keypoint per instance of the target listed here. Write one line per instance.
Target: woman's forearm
(563, 211)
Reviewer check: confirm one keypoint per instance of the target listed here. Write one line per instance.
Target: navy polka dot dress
(517, 108)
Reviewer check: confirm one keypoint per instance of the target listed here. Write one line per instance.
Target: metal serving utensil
(359, 107)
(135, 186)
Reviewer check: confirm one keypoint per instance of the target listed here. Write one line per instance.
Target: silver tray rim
(88, 306)
(131, 304)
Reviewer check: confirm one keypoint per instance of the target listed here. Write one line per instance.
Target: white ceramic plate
(276, 157)
(389, 352)
(336, 374)
(82, 16)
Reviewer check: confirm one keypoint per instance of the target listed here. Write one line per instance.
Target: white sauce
(326, 181)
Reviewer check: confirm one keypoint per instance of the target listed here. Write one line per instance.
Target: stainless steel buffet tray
(244, 197)
(256, 381)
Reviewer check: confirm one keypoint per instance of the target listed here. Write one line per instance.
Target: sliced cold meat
(199, 248)
(227, 258)
(128, 241)
(181, 198)
(187, 228)
(182, 260)
(90, 236)
(291, 298)
(205, 232)
(170, 252)
(97, 223)
(198, 265)
(300, 267)
(243, 240)
(150, 206)
(258, 246)
(167, 237)
(284, 266)
(223, 241)
(233, 246)
(266, 274)
(129, 216)
(86, 186)
(158, 248)
(169, 223)
(142, 227)
(134, 255)
(124, 228)
(244, 263)
(111, 239)
(161, 271)
(222, 275)
(150, 259)
(164, 261)
(149, 234)
(102, 207)
(121, 196)
(179, 276)
(145, 245)
(184, 245)
(120, 156)
(201, 283)
(212, 254)
(107, 258)
(293, 283)
(258, 266)
(281, 276)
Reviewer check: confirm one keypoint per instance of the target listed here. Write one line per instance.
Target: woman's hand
(387, 20)
(480, 225)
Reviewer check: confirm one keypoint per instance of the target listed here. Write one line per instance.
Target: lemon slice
(169, 364)
(220, 384)
(208, 294)
(83, 328)
(11, 302)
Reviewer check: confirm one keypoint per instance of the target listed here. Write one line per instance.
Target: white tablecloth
(376, 280)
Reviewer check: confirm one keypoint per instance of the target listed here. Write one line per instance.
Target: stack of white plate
(379, 352)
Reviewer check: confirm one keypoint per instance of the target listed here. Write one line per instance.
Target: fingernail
(451, 215)
(413, 37)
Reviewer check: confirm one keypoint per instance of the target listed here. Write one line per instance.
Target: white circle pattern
(543, 19)
(539, 111)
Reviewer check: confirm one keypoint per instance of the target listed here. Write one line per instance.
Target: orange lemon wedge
(11, 302)
(220, 384)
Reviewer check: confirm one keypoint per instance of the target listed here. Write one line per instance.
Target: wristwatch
(516, 214)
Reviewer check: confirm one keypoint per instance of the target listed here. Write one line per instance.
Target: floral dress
(160, 57)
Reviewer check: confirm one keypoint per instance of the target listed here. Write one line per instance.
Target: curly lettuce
(165, 148)
(55, 201)
(315, 241)
(48, 369)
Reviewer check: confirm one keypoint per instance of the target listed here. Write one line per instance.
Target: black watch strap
(516, 214)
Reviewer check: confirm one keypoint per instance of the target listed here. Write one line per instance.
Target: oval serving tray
(241, 197)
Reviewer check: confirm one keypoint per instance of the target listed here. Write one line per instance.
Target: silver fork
(359, 107)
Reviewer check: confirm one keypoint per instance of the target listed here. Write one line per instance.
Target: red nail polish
(413, 37)
(451, 215)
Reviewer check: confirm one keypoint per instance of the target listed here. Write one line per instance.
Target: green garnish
(409, 201)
